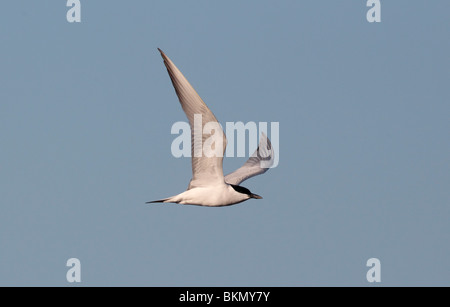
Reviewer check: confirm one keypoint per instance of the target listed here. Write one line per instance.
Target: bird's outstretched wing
(261, 160)
(206, 168)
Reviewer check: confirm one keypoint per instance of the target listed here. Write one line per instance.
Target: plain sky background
(85, 116)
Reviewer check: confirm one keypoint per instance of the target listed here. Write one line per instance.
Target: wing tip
(264, 140)
(162, 54)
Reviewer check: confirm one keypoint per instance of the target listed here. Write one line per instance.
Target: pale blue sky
(85, 116)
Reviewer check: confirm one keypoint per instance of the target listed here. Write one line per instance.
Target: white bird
(208, 186)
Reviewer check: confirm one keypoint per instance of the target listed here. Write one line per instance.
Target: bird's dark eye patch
(240, 189)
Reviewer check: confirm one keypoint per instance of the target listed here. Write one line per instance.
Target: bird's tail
(157, 201)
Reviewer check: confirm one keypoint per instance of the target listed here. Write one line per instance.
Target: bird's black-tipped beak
(255, 196)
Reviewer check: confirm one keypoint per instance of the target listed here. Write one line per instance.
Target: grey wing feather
(261, 160)
(205, 170)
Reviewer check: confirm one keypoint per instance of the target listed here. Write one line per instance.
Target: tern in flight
(208, 186)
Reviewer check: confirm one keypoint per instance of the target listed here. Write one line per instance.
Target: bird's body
(217, 195)
(208, 186)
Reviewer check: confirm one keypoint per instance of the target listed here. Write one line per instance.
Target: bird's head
(245, 191)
